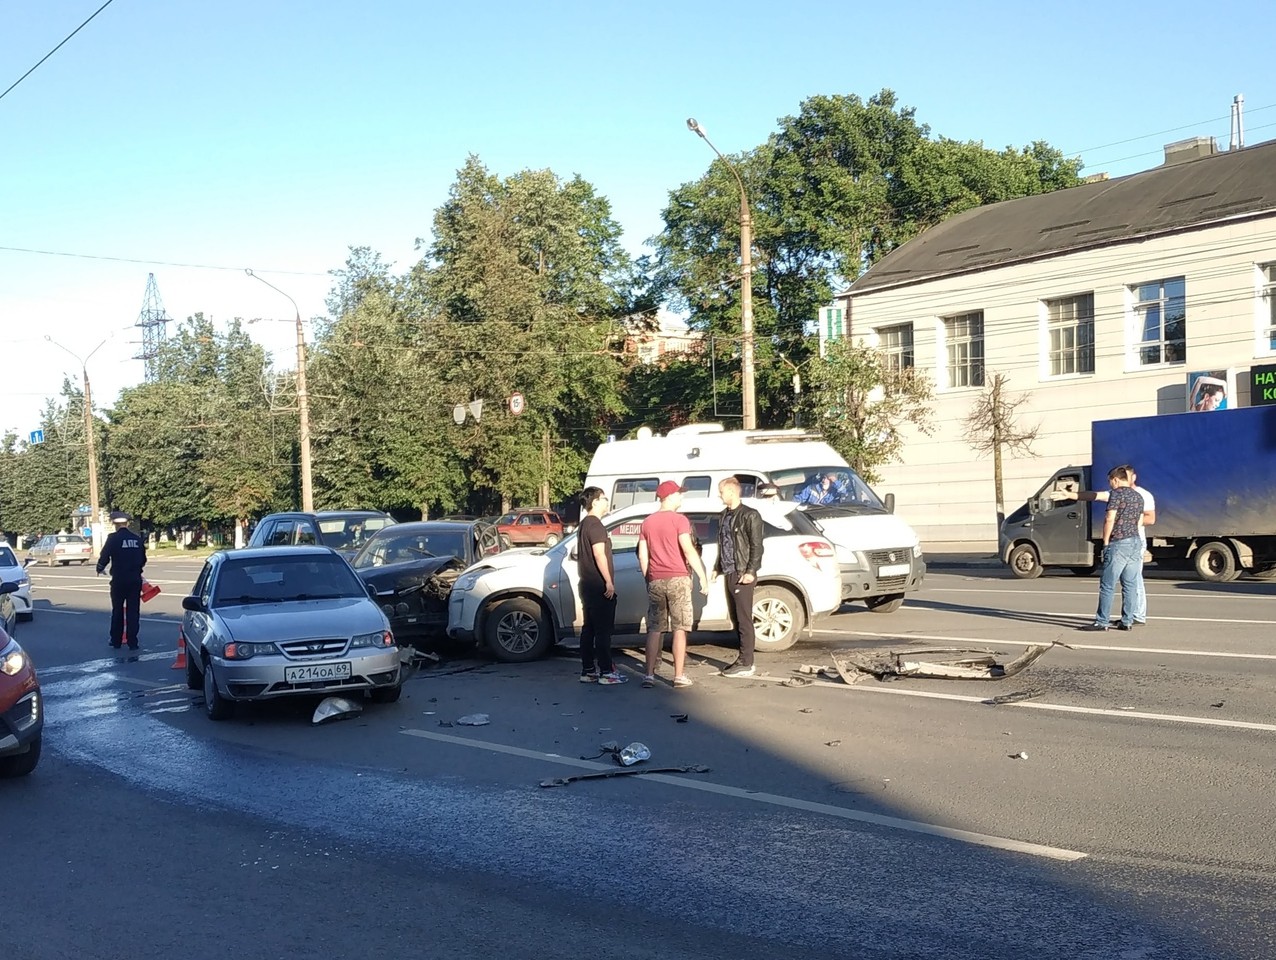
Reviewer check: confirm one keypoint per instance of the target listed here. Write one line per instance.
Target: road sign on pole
(516, 403)
(36, 436)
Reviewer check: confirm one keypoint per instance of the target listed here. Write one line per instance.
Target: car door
(631, 585)
(709, 613)
(197, 624)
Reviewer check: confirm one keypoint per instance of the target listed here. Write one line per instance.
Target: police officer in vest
(125, 554)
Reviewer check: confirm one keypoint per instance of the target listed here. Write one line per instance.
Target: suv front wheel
(517, 630)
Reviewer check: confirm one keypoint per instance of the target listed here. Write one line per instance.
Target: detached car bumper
(267, 677)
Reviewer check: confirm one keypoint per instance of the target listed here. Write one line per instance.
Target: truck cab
(1051, 529)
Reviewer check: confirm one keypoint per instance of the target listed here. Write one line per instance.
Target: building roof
(1186, 195)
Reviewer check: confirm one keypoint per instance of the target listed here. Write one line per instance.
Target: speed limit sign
(516, 404)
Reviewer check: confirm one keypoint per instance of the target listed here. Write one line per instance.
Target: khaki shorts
(669, 604)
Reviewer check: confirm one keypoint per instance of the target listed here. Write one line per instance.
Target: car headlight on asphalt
(243, 651)
(382, 638)
(12, 660)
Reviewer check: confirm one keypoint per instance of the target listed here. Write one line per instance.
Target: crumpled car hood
(397, 576)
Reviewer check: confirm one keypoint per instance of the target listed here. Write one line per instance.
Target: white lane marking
(895, 823)
(74, 613)
(1058, 707)
(96, 666)
(987, 641)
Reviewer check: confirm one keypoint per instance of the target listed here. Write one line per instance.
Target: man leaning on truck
(1146, 520)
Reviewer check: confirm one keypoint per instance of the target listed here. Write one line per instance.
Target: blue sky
(194, 140)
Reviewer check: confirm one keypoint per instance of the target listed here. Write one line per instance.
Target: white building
(1097, 301)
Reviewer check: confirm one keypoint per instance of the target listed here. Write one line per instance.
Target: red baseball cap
(668, 489)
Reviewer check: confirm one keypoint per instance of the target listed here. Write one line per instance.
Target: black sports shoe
(1094, 628)
(134, 646)
(1125, 626)
(113, 646)
(738, 669)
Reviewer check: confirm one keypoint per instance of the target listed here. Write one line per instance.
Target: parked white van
(879, 554)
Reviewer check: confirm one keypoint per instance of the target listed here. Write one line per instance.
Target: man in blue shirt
(1122, 551)
(821, 491)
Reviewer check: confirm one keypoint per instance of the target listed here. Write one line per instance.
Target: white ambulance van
(879, 554)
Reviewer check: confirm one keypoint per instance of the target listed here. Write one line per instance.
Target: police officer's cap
(119, 516)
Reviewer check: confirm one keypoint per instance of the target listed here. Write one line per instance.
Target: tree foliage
(861, 403)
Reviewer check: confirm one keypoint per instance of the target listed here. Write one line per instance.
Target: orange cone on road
(180, 662)
(149, 590)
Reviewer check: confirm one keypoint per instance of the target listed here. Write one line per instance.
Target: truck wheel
(778, 619)
(1089, 571)
(1024, 562)
(1216, 563)
(887, 604)
(518, 630)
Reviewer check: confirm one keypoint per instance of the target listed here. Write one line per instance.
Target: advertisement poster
(1209, 390)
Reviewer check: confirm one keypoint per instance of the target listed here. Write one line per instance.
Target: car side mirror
(890, 503)
(193, 604)
(9, 586)
(372, 591)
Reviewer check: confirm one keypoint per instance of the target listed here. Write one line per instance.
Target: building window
(1070, 332)
(1160, 321)
(896, 344)
(1267, 316)
(964, 336)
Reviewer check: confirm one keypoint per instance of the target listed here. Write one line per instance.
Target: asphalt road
(875, 820)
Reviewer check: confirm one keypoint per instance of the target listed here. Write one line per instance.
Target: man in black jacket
(739, 557)
(125, 553)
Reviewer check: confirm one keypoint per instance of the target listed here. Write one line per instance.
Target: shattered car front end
(414, 595)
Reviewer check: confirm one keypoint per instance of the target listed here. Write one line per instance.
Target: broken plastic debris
(634, 753)
(832, 743)
(474, 720)
(631, 772)
(679, 717)
(336, 708)
(1019, 756)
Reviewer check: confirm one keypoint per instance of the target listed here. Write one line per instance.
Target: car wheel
(506, 542)
(386, 694)
(23, 763)
(1089, 571)
(885, 604)
(64, 563)
(83, 562)
(517, 631)
(1024, 562)
(551, 540)
(215, 705)
(778, 619)
(1216, 563)
(193, 680)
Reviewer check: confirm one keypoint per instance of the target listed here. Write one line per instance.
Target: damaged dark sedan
(412, 567)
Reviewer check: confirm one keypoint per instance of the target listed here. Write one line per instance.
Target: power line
(159, 263)
(1158, 133)
(57, 48)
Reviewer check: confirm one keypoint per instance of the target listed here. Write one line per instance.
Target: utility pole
(748, 389)
(303, 402)
(90, 438)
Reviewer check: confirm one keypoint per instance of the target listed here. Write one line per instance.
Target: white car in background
(12, 571)
(520, 602)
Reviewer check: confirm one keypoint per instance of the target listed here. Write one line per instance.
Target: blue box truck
(1214, 479)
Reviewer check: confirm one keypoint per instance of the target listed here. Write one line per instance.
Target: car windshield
(824, 486)
(285, 580)
(348, 533)
(394, 546)
(7, 559)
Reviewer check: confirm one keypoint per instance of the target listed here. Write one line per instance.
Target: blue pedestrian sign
(86, 531)
(37, 436)
(83, 510)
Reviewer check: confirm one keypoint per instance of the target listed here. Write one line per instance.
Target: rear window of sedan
(71, 538)
(285, 580)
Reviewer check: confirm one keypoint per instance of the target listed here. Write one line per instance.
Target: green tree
(861, 403)
(992, 427)
(41, 484)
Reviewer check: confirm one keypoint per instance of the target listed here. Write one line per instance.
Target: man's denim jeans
(1124, 562)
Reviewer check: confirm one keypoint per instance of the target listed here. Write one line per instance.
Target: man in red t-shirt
(667, 555)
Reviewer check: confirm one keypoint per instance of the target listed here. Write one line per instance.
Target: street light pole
(303, 402)
(748, 387)
(90, 439)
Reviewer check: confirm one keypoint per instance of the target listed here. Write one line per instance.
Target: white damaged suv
(518, 603)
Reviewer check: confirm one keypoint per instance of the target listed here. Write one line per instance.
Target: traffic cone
(180, 662)
(149, 590)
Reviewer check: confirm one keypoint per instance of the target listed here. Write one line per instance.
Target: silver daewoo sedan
(284, 621)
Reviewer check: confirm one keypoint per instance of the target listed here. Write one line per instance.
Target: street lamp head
(694, 127)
